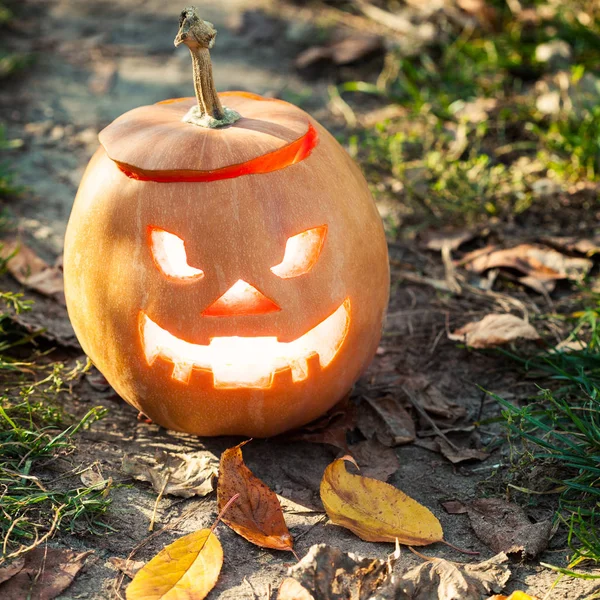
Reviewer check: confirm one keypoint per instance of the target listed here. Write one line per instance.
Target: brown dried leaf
(457, 454)
(351, 49)
(494, 330)
(327, 573)
(375, 460)
(454, 507)
(33, 272)
(538, 262)
(177, 474)
(11, 569)
(376, 511)
(589, 247)
(331, 428)
(127, 566)
(386, 420)
(504, 527)
(444, 580)
(256, 515)
(431, 398)
(46, 573)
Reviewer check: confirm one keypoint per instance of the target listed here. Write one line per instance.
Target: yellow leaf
(514, 596)
(376, 511)
(187, 569)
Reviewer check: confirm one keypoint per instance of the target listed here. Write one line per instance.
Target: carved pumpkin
(227, 275)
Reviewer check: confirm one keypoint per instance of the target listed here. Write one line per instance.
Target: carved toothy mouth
(247, 362)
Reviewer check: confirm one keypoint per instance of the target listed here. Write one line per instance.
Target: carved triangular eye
(168, 252)
(301, 253)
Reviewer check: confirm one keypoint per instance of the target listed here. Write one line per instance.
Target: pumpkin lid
(155, 138)
(199, 139)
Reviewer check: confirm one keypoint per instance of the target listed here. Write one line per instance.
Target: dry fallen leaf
(256, 515)
(457, 454)
(431, 398)
(445, 580)
(331, 428)
(589, 247)
(351, 49)
(125, 565)
(33, 272)
(375, 460)
(11, 569)
(376, 511)
(504, 527)
(386, 420)
(177, 474)
(46, 573)
(537, 262)
(327, 573)
(186, 569)
(494, 330)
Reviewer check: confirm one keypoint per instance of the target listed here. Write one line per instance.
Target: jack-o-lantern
(225, 268)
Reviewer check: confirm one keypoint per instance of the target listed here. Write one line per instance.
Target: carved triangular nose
(241, 299)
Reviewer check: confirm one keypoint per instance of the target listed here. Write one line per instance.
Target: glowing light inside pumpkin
(247, 362)
(301, 253)
(168, 252)
(241, 299)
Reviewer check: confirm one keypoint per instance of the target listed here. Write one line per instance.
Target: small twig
(158, 499)
(224, 510)
(470, 552)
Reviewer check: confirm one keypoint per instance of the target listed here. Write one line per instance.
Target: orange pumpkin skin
(233, 228)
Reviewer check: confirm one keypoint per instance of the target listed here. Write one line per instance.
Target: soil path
(99, 59)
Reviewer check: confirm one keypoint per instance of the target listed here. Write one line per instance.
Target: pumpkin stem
(199, 36)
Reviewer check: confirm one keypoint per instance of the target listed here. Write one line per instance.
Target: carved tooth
(299, 369)
(182, 371)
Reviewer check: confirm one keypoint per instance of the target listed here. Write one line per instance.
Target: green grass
(456, 170)
(34, 435)
(560, 428)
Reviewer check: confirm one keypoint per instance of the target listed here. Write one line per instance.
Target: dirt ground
(99, 59)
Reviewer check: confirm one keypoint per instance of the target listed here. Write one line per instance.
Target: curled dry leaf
(328, 573)
(494, 330)
(376, 511)
(33, 272)
(188, 568)
(178, 474)
(445, 580)
(504, 527)
(589, 247)
(256, 515)
(538, 262)
(45, 573)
